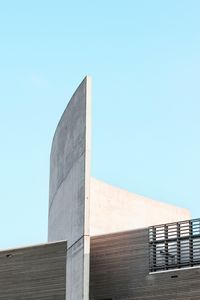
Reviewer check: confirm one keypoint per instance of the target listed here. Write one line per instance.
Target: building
(103, 242)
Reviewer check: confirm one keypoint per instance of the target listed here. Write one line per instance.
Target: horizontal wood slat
(37, 272)
(119, 270)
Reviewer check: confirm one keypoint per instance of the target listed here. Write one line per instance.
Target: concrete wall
(111, 210)
(120, 270)
(70, 189)
(34, 273)
(114, 210)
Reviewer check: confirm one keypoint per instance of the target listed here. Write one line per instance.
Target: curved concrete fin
(69, 196)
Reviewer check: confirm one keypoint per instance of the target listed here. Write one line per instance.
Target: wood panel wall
(119, 270)
(37, 272)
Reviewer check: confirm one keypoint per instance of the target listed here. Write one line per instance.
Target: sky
(144, 59)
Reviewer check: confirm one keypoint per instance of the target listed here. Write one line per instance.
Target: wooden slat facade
(119, 270)
(37, 272)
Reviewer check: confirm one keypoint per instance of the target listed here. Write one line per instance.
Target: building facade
(103, 242)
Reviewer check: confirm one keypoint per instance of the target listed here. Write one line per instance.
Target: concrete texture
(78, 264)
(72, 216)
(114, 210)
(34, 273)
(70, 189)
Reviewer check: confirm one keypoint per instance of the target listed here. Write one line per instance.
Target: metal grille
(174, 245)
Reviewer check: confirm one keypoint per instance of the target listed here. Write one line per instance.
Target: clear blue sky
(144, 58)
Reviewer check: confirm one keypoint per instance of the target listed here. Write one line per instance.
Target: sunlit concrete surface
(113, 210)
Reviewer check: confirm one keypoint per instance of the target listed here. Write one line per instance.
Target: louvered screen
(174, 245)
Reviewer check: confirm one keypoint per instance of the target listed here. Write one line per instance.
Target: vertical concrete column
(69, 197)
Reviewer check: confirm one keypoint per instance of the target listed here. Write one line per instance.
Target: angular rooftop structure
(103, 242)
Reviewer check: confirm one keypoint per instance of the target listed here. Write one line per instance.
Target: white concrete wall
(69, 196)
(71, 215)
(114, 210)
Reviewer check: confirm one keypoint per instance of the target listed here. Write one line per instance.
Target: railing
(174, 245)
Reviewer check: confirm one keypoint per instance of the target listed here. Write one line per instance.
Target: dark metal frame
(174, 245)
